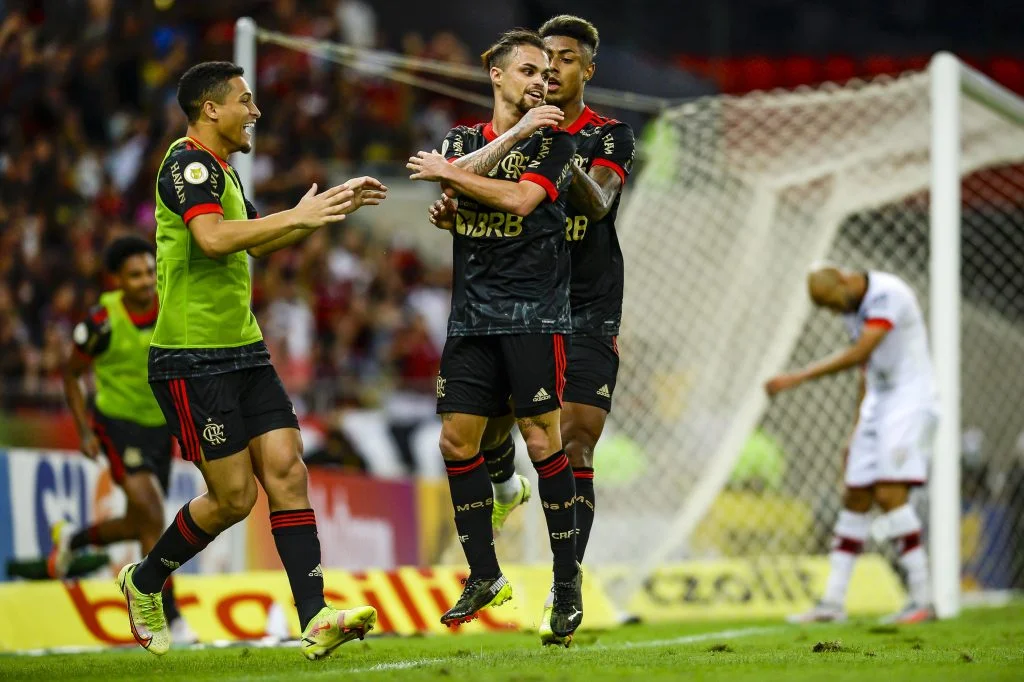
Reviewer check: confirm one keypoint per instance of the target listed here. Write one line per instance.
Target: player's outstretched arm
(594, 193)
(367, 191)
(518, 198)
(483, 160)
(854, 355)
(218, 237)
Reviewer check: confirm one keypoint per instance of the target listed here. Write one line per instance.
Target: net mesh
(736, 198)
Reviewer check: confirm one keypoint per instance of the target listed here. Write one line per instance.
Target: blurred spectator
(89, 92)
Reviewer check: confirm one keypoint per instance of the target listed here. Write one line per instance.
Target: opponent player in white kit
(890, 447)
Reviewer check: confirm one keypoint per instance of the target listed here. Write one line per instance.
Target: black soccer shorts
(217, 415)
(593, 368)
(479, 373)
(132, 448)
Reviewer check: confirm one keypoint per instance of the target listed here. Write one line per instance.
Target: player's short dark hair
(571, 26)
(499, 53)
(205, 81)
(123, 248)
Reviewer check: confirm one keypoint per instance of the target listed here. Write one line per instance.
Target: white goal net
(733, 199)
(737, 196)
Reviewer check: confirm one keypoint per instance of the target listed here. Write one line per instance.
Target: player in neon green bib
(210, 370)
(125, 422)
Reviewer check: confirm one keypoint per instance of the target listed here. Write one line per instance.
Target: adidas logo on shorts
(317, 572)
(541, 396)
(604, 392)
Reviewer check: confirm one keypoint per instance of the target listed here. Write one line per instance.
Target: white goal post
(950, 78)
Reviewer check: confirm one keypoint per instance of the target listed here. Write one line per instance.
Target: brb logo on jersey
(214, 433)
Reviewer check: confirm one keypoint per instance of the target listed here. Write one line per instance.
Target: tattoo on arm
(447, 416)
(484, 159)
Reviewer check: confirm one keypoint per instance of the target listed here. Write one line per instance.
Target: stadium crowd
(89, 107)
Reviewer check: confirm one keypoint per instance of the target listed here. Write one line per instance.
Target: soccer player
(210, 370)
(510, 308)
(888, 452)
(125, 422)
(603, 161)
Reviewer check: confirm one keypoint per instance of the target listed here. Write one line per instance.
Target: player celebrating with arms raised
(891, 443)
(211, 371)
(510, 308)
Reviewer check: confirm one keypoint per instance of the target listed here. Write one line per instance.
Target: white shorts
(891, 447)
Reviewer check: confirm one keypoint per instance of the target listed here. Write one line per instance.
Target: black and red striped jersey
(510, 274)
(597, 267)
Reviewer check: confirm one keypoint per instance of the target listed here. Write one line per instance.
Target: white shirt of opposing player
(899, 372)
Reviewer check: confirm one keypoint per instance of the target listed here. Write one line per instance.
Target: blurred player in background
(210, 369)
(510, 310)
(888, 452)
(124, 422)
(603, 161)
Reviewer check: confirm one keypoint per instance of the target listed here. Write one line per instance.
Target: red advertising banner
(362, 522)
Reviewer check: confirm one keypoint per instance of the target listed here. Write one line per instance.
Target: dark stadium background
(87, 108)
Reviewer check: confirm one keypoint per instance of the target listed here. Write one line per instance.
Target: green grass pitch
(983, 644)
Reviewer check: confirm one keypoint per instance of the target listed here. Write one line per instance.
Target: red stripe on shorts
(560, 364)
(189, 439)
(116, 464)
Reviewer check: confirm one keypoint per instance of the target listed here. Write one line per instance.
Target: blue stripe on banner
(6, 524)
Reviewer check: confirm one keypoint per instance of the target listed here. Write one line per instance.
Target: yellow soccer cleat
(145, 614)
(59, 560)
(501, 510)
(332, 627)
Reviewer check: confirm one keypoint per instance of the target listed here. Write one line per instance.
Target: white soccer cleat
(821, 613)
(181, 633)
(59, 560)
(911, 613)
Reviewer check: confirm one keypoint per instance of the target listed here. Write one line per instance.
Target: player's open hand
(782, 382)
(442, 212)
(539, 117)
(367, 192)
(429, 166)
(330, 206)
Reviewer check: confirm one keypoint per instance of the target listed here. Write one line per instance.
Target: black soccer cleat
(479, 594)
(567, 608)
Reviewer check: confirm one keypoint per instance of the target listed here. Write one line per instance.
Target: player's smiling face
(137, 278)
(570, 68)
(236, 117)
(524, 81)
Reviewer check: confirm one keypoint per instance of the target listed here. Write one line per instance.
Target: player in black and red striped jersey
(510, 308)
(603, 161)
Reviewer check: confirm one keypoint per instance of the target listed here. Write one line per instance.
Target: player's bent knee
(539, 445)
(579, 446)
(290, 475)
(235, 504)
(890, 496)
(858, 500)
(454, 446)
